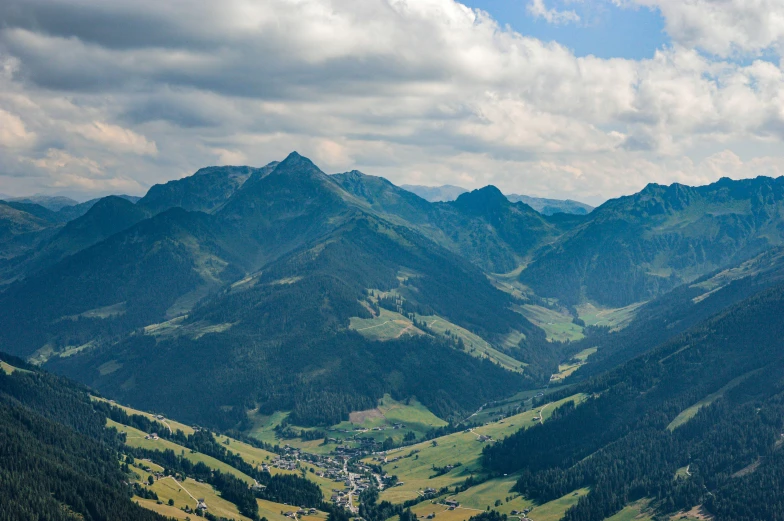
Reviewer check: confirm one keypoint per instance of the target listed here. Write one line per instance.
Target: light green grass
(614, 318)
(388, 325)
(555, 510)
(217, 505)
(8, 368)
(73, 350)
(485, 494)
(136, 438)
(172, 424)
(177, 327)
(442, 513)
(461, 447)
(577, 361)
(476, 500)
(252, 455)
(557, 325)
(474, 344)
(414, 416)
(637, 511)
(164, 510)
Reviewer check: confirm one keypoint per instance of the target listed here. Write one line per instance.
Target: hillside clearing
(413, 465)
(557, 325)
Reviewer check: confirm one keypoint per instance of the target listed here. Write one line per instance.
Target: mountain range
(445, 193)
(241, 293)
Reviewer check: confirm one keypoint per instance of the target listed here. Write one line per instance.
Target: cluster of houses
(522, 514)
(340, 498)
(282, 463)
(201, 506)
(301, 512)
(152, 436)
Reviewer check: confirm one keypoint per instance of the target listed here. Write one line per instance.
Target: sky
(579, 99)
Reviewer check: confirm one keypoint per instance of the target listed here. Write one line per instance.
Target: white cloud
(538, 9)
(13, 132)
(417, 90)
(116, 137)
(722, 27)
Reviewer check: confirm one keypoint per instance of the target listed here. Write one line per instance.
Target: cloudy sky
(585, 99)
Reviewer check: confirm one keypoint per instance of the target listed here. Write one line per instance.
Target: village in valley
(400, 452)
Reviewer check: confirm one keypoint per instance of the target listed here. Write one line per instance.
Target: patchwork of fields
(415, 466)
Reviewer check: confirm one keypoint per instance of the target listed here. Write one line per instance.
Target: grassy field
(577, 361)
(414, 416)
(164, 510)
(387, 325)
(136, 438)
(464, 447)
(264, 430)
(485, 494)
(249, 453)
(172, 424)
(636, 511)
(555, 509)
(614, 318)
(477, 499)
(252, 455)
(557, 325)
(474, 344)
(492, 411)
(8, 368)
(217, 505)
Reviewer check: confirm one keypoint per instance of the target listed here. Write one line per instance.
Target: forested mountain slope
(552, 206)
(57, 461)
(262, 293)
(482, 225)
(281, 339)
(637, 247)
(683, 307)
(446, 193)
(204, 191)
(104, 218)
(710, 401)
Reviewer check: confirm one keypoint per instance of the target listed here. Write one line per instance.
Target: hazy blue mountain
(53, 203)
(271, 278)
(103, 218)
(435, 194)
(482, 226)
(203, 191)
(695, 421)
(542, 205)
(637, 247)
(69, 213)
(682, 308)
(552, 206)
(22, 231)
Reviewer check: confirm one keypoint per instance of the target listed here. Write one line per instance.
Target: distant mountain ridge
(636, 247)
(552, 206)
(234, 270)
(542, 205)
(436, 194)
(275, 272)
